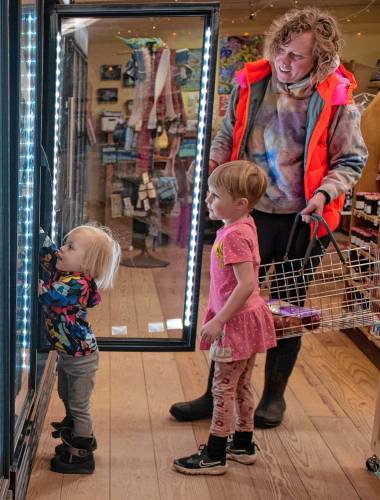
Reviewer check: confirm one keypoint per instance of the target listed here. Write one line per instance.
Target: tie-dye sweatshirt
(277, 144)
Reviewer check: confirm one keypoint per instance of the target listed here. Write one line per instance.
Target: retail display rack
(365, 224)
(365, 217)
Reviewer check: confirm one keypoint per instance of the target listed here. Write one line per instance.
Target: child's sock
(242, 439)
(216, 447)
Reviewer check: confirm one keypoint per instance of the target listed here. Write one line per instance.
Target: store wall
(364, 49)
(361, 34)
(114, 51)
(361, 38)
(110, 51)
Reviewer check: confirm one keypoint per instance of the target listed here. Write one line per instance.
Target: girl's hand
(211, 330)
(41, 287)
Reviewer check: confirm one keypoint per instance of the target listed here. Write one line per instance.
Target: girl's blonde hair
(103, 254)
(241, 179)
(323, 27)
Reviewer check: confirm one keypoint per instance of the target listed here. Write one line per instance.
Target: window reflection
(128, 132)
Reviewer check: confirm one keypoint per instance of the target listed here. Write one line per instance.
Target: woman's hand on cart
(315, 205)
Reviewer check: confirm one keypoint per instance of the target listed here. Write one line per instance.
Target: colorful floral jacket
(65, 298)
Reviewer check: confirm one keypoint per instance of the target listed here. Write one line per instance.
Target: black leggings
(273, 231)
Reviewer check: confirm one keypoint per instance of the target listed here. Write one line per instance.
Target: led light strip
(197, 180)
(26, 180)
(58, 82)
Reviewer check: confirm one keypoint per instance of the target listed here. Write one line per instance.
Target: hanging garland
(356, 14)
(254, 13)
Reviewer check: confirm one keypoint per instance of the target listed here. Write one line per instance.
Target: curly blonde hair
(324, 28)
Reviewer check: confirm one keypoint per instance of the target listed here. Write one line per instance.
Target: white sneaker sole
(242, 459)
(209, 471)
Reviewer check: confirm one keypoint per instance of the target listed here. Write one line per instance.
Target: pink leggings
(232, 391)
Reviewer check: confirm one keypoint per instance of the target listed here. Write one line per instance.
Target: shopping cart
(323, 293)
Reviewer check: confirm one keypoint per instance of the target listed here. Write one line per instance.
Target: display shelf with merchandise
(365, 218)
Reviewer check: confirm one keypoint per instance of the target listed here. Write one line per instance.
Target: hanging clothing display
(157, 103)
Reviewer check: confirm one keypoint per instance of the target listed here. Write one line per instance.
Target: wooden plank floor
(319, 451)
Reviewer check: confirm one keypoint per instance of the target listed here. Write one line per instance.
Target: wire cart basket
(323, 293)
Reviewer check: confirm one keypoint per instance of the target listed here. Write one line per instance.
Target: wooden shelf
(374, 84)
(375, 219)
(370, 125)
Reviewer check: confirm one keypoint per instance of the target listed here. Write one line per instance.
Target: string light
(193, 240)
(354, 15)
(253, 13)
(56, 157)
(28, 54)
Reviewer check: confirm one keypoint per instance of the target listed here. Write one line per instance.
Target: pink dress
(251, 330)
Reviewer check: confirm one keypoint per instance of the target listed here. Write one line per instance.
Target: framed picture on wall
(234, 52)
(192, 70)
(107, 95)
(110, 72)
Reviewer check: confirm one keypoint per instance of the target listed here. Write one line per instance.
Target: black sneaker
(200, 463)
(244, 455)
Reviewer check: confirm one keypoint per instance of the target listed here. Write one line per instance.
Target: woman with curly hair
(292, 114)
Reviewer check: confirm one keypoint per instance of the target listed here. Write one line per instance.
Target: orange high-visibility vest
(316, 160)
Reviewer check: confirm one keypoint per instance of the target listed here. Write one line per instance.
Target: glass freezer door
(130, 117)
(25, 285)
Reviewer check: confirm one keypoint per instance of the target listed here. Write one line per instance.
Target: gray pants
(76, 380)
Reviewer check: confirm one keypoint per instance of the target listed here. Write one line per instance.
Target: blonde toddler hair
(241, 179)
(103, 255)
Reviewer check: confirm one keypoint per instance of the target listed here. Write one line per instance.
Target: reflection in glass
(25, 201)
(129, 96)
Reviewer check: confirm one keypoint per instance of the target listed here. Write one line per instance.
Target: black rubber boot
(279, 365)
(197, 408)
(66, 423)
(77, 459)
(65, 445)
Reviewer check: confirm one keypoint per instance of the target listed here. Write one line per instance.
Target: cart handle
(317, 219)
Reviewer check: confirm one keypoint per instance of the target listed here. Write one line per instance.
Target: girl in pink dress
(238, 323)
